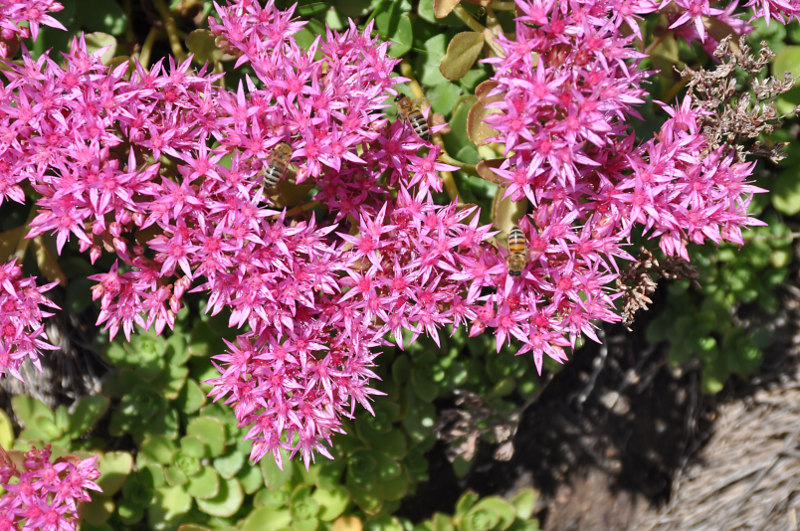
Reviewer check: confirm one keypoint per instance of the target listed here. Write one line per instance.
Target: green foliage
(698, 323)
(487, 514)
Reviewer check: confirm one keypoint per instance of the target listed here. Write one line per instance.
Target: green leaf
(442, 8)
(191, 398)
(138, 490)
(419, 422)
(203, 45)
(393, 443)
(170, 503)
(177, 351)
(102, 41)
(170, 380)
(273, 498)
(403, 38)
(250, 478)
(369, 500)
(426, 12)
(333, 20)
(274, 477)
(128, 512)
(27, 408)
(175, 476)
(6, 430)
(361, 469)
(465, 502)
(207, 336)
(304, 508)
(424, 385)
(206, 485)
(44, 428)
(787, 60)
(332, 502)
(114, 468)
(209, 430)
(524, 503)
(395, 488)
(458, 137)
(310, 524)
(711, 383)
(267, 518)
(462, 52)
(785, 194)
(435, 48)
(156, 449)
(226, 502)
(192, 445)
(443, 97)
(62, 419)
(96, 513)
(87, 411)
(330, 474)
(774, 34)
(229, 465)
(393, 24)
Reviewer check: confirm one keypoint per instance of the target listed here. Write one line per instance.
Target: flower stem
(463, 166)
(147, 47)
(649, 49)
(467, 19)
(172, 30)
(488, 33)
(300, 209)
(408, 72)
(503, 6)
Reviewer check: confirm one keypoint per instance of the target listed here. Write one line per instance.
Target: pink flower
(34, 12)
(45, 494)
(350, 248)
(22, 334)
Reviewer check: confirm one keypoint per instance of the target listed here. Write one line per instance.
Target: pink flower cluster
(564, 121)
(44, 495)
(164, 169)
(781, 10)
(22, 334)
(33, 13)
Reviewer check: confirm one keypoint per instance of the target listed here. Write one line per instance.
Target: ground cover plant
(304, 224)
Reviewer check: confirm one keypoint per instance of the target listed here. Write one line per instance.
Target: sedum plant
(281, 183)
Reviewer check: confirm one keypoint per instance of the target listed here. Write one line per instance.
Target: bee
(518, 252)
(408, 111)
(278, 164)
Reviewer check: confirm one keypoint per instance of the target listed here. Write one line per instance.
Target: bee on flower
(278, 164)
(518, 252)
(409, 111)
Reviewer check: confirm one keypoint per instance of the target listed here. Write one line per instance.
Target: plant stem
(172, 30)
(300, 209)
(488, 33)
(463, 166)
(408, 72)
(147, 47)
(503, 6)
(467, 19)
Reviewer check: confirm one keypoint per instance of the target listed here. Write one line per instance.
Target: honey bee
(408, 111)
(278, 164)
(518, 252)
